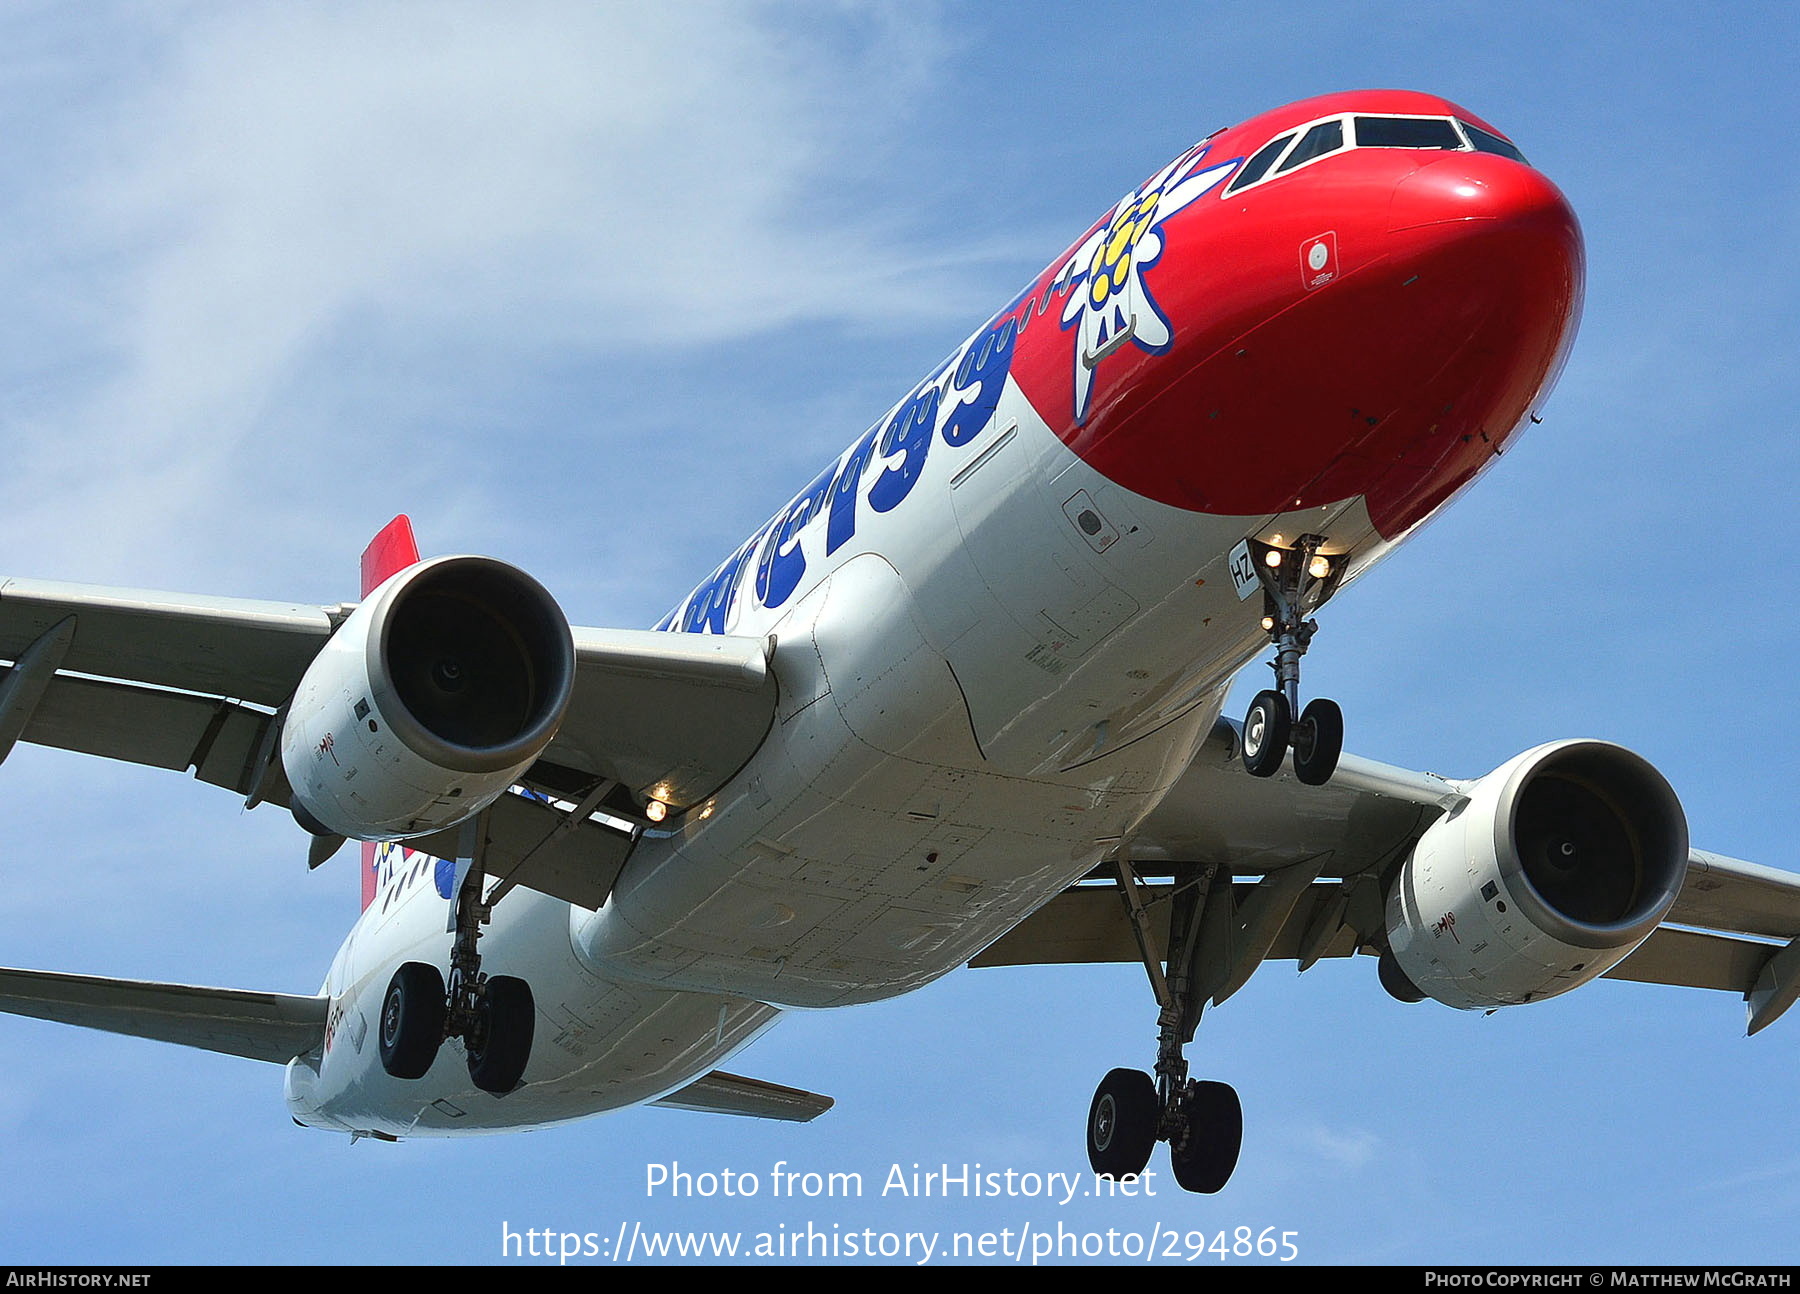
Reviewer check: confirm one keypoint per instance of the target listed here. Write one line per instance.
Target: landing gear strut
(1203, 1122)
(1295, 581)
(494, 1016)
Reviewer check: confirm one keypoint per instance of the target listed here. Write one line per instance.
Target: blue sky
(593, 290)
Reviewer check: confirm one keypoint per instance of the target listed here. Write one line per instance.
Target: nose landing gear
(1295, 581)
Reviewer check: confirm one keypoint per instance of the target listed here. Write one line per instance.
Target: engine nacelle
(1562, 861)
(428, 701)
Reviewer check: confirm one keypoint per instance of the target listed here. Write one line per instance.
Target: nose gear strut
(1295, 581)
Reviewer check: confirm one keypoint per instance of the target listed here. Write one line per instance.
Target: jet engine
(1560, 863)
(428, 702)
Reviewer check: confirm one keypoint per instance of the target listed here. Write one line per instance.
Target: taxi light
(1318, 568)
(656, 810)
(1268, 622)
(1272, 557)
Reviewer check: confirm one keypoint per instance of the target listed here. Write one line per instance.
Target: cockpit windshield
(1298, 148)
(1407, 132)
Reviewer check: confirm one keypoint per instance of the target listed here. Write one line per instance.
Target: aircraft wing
(197, 683)
(261, 1026)
(1321, 856)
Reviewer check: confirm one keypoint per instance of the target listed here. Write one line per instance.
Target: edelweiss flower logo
(1110, 302)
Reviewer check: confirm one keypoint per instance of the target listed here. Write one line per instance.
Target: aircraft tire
(1318, 741)
(412, 1020)
(1206, 1155)
(1267, 726)
(1121, 1129)
(512, 1019)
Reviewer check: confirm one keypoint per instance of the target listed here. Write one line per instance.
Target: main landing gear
(1295, 581)
(495, 1016)
(1201, 1120)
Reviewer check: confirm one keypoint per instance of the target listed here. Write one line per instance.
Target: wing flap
(722, 1093)
(260, 1026)
(142, 725)
(1695, 959)
(535, 844)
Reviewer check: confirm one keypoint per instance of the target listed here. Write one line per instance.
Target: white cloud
(1340, 1148)
(250, 188)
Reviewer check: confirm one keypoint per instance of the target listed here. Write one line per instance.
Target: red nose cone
(1377, 327)
(1482, 300)
(1478, 186)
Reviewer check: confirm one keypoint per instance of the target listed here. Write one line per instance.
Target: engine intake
(477, 658)
(1562, 861)
(429, 700)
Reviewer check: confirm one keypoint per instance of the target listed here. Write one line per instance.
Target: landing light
(1272, 557)
(1318, 568)
(1268, 622)
(656, 810)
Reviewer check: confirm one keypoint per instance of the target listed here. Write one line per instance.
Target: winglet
(393, 550)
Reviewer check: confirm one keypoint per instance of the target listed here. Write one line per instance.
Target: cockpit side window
(1406, 132)
(1258, 166)
(1486, 143)
(1326, 137)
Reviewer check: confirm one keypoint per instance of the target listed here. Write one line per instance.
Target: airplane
(959, 701)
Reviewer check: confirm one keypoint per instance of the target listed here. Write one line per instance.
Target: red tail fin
(368, 873)
(391, 551)
(394, 549)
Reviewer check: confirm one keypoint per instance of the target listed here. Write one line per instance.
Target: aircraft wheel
(412, 1020)
(1318, 741)
(1206, 1154)
(1267, 725)
(511, 1019)
(1122, 1124)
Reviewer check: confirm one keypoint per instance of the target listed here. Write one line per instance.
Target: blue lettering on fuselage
(783, 561)
(708, 605)
(956, 408)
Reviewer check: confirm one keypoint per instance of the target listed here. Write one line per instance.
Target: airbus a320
(959, 700)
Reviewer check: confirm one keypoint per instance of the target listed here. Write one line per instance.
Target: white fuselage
(983, 691)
